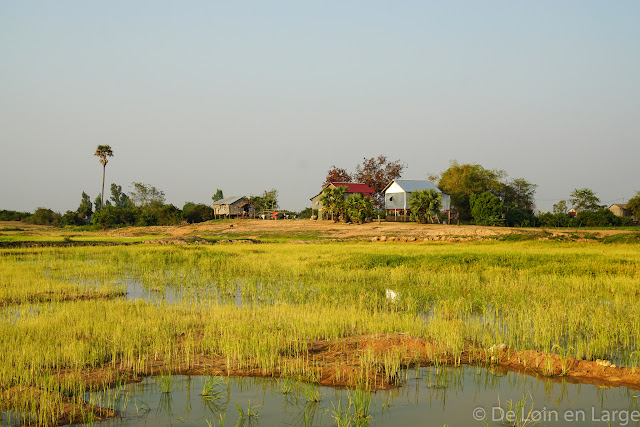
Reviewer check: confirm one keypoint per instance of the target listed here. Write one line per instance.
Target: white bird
(392, 296)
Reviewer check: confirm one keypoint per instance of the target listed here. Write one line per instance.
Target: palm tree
(425, 204)
(103, 151)
(332, 200)
(359, 207)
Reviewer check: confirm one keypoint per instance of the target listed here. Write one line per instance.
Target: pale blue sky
(247, 96)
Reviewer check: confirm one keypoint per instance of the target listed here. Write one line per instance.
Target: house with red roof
(352, 188)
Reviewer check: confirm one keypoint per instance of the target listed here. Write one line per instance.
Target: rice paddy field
(75, 321)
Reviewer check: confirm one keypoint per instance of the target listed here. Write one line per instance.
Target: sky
(252, 95)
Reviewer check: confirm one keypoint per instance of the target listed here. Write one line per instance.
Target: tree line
(478, 195)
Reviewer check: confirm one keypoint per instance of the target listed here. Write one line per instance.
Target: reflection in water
(430, 396)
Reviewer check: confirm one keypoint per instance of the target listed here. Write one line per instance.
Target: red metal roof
(354, 187)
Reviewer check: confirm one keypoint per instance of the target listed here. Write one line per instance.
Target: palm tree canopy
(103, 151)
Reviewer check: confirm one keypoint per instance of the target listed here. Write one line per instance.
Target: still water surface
(430, 397)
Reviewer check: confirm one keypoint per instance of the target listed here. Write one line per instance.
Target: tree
(332, 200)
(218, 195)
(268, 199)
(425, 204)
(519, 193)
(193, 212)
(86, 208)
(486, 208)
(584, 199)
(460, 181)
(560, 207)
(634, 205)
(103, 151)
(336, 174)
(146, 195)
(98, 203)
(377, 172)
(359, 207)
(120, 199)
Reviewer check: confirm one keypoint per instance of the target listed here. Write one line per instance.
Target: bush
(44, 216)
(193, 213)
(599, 218)
(72, 218)
(6, 215)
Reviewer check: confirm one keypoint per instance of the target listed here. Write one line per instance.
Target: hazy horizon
(251, 96)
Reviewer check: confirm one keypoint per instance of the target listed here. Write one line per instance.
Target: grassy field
(64, 318)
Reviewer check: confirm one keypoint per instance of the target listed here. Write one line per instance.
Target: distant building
(235, 207)
(620, 210)
(352, 188)
(398, 192)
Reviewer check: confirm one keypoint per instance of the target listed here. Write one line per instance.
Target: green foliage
(560, 207)
(359, 208)
(146, 195)
(268, 199)
(634, 205)
(518, 193)
(120, 199)
(333, 202)
(548, 219)
(306, 213)
(584, 199)
(425, 205)
(519, 217)
(460, 181)
(486, 209)
(200, 212)
(44, 216)
(598, 218)
(218, 195)
(71, 218)
(6, 215)
(85, 209)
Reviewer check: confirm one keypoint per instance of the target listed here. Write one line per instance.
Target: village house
(235, 207)
(398, 192)
(620, 210)
(352, 188)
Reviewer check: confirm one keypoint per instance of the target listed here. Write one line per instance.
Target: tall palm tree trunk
(104, 167)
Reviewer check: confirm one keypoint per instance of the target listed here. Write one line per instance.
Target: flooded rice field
(429, 397)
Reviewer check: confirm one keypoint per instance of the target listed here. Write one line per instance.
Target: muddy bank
(338, 363)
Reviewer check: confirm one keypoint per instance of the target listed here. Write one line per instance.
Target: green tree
(44, 216)
(86, 208)
(486, 209)
(218, 195)
(634, 205)
(103, 151)
(333, 202)
(193, 212)
(519, 193)
(268, 199)
(425, 204)
(584, 199)
(358, 207)
(146, 195)
(560, 207)
(120, 199)
(460, 181)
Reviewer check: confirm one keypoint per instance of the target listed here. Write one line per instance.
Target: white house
(398, 193)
